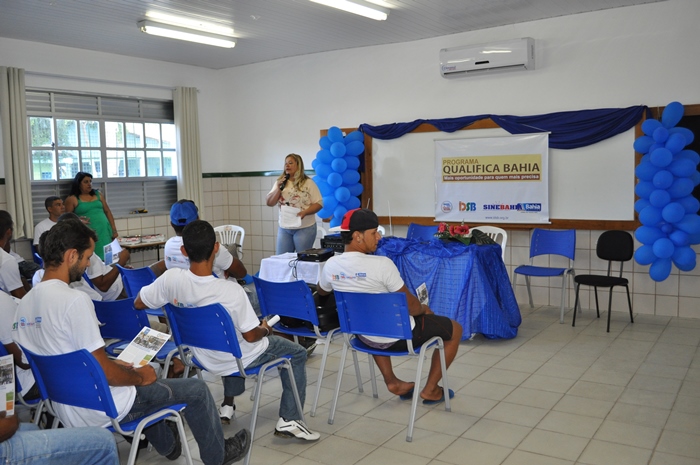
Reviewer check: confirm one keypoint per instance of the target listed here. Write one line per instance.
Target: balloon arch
(667, 209)
(337, 175)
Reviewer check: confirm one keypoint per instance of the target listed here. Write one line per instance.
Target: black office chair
(613, 246)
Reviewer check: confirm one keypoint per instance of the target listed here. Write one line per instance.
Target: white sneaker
(227, 413)
(295, 429)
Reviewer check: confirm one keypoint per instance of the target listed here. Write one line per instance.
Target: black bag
(325, 309)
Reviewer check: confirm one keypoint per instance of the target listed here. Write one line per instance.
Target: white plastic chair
(231, 234)
(320, 234)
(497, 234)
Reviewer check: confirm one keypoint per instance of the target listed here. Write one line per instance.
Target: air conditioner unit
(516, 54)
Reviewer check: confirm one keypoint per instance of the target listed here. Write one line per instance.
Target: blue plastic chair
(18, 385)
(384, 315)
(77, 379)
(210, 327)
(136, 278)
(121, 321)
(420, 232)
(294, 299)
(548, 242)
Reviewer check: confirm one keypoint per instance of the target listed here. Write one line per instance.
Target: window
(127, 144)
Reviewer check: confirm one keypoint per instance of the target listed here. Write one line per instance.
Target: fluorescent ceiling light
(359, 7)
(190, 23)
(183, 33)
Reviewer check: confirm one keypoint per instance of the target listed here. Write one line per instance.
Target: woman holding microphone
(298, 199)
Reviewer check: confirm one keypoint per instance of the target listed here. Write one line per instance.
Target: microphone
(284, 183)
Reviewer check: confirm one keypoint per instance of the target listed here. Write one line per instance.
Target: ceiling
(266, 29)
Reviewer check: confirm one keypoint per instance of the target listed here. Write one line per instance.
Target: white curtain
(189, 157)
(13, 119)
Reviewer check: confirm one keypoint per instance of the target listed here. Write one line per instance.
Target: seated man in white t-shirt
(197, 287)
(362, 272)
(54, 319)
(182, 213)
(8, 305)
(54, 205)
(10, 277)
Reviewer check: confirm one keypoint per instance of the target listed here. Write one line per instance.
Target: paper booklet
(7, 384)
(289, 218)
(144, 347)
(422, 294)
(111, 252)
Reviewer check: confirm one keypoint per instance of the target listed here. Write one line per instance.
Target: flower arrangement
(459, 233)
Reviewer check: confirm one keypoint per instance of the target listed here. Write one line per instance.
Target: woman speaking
(298, 199)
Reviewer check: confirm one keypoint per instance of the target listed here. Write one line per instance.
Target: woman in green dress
(91, 206)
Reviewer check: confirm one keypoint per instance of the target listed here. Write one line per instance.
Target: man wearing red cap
(375, 274)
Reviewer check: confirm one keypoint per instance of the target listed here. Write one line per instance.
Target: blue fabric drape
(569, 129)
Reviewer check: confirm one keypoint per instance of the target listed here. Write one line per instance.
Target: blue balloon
(325, 142)
(642, 144)
(338, 149)
(330, 202)
(650, 216)
(324, 213)
(661, 157)
(660, 269)
(353, 136)
(640, 205)
(672, 114)
(690, 204)
(648, 234)
(691, 155)
(695, 177)
(682, 168)
(660, 135)
(655, 146)
(659, 198)
(356, 189)
(324, 156)
(644, 189)
(683, 256)
(355, 148)
(666, 228)
(675, 143)
(679, 238)
(685, 132)
(645, 171)
(323, 186)
(689, 224)
(662, 180)
(673, 212)
(644, 255)
(681, 187)
(339, 212)
(353, 162)
(352, 203)
(315, 162)
(342, 194)
(335, 134)
(323, 170)
(350, 177)
(649, 126)
(335, 179)
(339, 165)
(689, 267)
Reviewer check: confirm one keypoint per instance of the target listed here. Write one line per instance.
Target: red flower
(442, 227)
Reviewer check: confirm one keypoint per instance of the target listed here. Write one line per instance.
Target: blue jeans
(201, 415)
(77, 446)
(279, 346)
(295, 240)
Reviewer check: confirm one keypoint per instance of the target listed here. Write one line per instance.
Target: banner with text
(492, 179)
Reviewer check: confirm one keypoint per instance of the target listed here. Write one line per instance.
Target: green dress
(98, 222)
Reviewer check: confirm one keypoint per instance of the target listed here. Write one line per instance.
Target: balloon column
(337, 177)
(667, 209)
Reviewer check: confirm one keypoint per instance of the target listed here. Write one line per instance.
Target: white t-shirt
(9, 272)
(301, 199)
(175, 259)
(185, 289)
(8, 306)
(98, 268)
(359, 272)
(54, 319)
(81, 285)
(41, 228)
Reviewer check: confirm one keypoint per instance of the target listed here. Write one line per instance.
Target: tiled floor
(554, 395)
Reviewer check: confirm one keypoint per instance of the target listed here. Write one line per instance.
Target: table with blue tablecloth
(468, 283)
